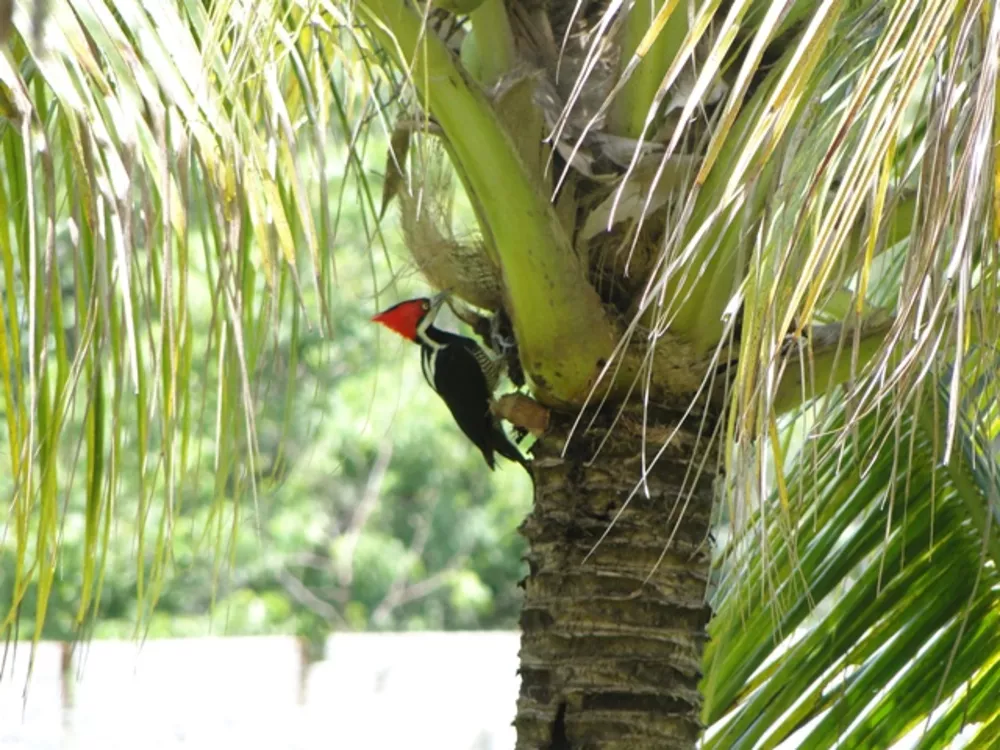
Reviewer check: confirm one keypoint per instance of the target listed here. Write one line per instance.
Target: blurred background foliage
(370, 510)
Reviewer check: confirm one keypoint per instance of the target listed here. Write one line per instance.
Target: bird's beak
(436, 302)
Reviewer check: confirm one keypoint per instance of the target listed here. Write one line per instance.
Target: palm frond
(852, 165)
(166, 189)
(867, 613)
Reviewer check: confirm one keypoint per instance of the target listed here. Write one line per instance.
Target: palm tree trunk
(611, 647)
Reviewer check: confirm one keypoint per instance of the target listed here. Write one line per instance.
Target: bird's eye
(426, 305)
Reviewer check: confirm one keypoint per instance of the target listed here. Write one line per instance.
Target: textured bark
(611, 648)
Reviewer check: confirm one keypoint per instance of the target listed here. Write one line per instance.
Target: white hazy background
(399, 691)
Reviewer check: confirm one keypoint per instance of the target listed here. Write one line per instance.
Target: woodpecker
(461, 372)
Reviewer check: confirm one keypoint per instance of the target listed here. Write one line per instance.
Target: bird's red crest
(405, 317)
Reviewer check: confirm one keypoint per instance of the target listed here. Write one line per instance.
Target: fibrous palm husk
(459, 266)
(522, 411)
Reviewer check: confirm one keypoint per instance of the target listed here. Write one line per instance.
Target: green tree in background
(748, 251)
(346, 533)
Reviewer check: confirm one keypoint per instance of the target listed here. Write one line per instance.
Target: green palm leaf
(142, 143)
(876, 606)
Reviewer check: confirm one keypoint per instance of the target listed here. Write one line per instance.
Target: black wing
(462, 385)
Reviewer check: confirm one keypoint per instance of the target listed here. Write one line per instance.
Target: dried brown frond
(395, 172)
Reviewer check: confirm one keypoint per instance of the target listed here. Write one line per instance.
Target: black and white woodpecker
(462, 372)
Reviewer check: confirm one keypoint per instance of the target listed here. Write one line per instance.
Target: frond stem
(562, 331)
(653, 35)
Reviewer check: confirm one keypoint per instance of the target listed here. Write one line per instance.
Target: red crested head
(405, 318)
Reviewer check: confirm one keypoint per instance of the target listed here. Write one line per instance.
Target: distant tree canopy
(357, 522)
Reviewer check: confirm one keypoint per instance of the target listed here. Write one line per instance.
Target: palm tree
(748, 254)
